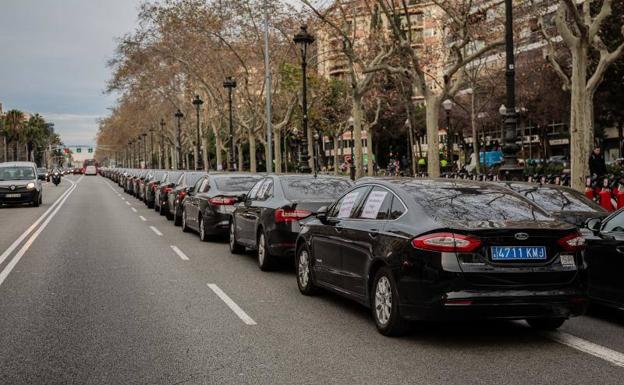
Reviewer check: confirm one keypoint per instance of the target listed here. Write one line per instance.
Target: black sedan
(167, 185)
(440, 249)
(208, 205)
(605, 260)
(268, 219)
(172, 205)
(561, 202)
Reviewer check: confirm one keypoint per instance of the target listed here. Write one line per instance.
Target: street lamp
(128, 151)
(144, 135)
(161, 162)
(230, 85)
(303, 39)
(179, 115)
(197, 102)
(510, 169)
(352, 165)
(448, 106)
(316, 152)
(151, 130)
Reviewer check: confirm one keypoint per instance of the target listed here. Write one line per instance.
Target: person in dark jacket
(597, 164)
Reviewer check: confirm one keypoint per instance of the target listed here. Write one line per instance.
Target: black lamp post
(230, 85)
(151, 130)
(162, 143)
(303, 39)
(128, 152)
(179, 115)
(448, 106)
(510, 170)
(197, 102)
(144, 136)
(352, 165)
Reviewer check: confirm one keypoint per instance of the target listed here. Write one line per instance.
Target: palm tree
(13, 125)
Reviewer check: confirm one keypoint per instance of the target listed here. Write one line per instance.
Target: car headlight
(30, 186)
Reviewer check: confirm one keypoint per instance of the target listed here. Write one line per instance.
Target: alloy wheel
(383, 300)
(202, 230)
(303, 270)
(261, 249)
(232, 239)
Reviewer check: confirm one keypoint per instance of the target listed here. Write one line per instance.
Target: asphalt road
(98, 295)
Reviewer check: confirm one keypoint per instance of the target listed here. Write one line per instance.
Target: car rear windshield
(16, 173)
(308, 188)
(464, 202)
(236, 183)
(192, 178)
(553, 199)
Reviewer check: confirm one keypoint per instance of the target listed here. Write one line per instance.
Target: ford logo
(12, 187)
(521, 236)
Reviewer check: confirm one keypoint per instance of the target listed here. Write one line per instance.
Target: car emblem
(12, 187)
(521, 236)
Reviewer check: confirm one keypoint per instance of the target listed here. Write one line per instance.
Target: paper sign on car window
(347, 204)
(373, 204)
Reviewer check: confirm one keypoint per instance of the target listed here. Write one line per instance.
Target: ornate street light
(161, 162)
(352, 165)
(303, 39)
(197, 102)
(448, 107)
(128, 154)
(230, 85)
(151, 130)
(179, 115)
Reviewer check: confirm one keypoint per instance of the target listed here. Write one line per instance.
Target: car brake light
(447, 242)
(222, 201)
(181, 195)
(282, 215)
(167, 190)
(572, 242)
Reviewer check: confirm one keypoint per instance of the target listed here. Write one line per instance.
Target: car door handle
(373, 234)
(338, 229)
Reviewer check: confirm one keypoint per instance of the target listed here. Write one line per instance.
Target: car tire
(385, 304)
(235, 248)
(303, 264)
(150, 204)
(202, 230)
(546, 324)
(265, 259)
(36, 202)
(177, 219)
(185, 227)
(162, 211)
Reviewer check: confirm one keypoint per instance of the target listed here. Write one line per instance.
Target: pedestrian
(597, 164)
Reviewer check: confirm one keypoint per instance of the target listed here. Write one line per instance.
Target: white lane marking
(180, 253)
(11, 265)
(123, 199)
(232, 305)
(154, 229)
(79, 179)
(19, 240)
(142, 218)
(128, 203)
(133, 209)
(609, 355)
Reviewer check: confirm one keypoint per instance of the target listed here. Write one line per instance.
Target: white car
(90, 170)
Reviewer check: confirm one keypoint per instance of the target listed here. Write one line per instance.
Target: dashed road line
(142, 218)
(133, 209)
(614, 357)
(155, 230)
(180, 253)
(128, 203)
(232, 305)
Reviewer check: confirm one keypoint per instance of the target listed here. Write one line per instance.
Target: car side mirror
(593, 225)
(321, 214)
(242, 197)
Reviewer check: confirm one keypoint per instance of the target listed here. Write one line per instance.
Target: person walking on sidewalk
(597, 164)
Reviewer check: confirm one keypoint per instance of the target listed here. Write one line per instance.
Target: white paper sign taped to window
(373, 204)
(347, 204)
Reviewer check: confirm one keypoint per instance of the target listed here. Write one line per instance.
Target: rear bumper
(282, 243)
(218, 224)
(504, 305)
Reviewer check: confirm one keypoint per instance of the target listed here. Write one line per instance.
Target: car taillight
(572, 242)
(222, 201)
(181, 195)
(167, 190)
(282, 215)
(447, 242)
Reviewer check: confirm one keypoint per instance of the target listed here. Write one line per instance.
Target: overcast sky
(53, 59)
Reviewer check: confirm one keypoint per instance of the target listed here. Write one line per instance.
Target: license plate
(567, 260)
(13, 195)
(518, 253)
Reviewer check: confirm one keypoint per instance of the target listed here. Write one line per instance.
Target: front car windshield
(306, 188)
(464, 202)
(553, 199)
(17, 173)
(236, 183)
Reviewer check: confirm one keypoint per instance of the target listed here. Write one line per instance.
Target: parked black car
(172, 207)
(605, 260)
(268, 219)
(167, 185)
(444, 249)
(561, 202)
(208, 205)
(152, 181)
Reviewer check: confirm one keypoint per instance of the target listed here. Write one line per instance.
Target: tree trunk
(475, 133)
(239, 149)
(277, 150)
(335, 139)
(369, 150)
(357, 135)
(252, 151)
(581, 120)
(311, 152)
(206, 154)
(433, 139)
(218, 152)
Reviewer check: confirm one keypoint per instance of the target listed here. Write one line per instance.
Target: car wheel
(202, 230)
(235, 248)
(177, 220)
(547, 324)
(184, 223)
(304, 271)
(36, 202)
(265, 259)
(150, 204)
(385, 304)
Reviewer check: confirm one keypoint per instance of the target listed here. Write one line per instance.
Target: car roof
(18, 164)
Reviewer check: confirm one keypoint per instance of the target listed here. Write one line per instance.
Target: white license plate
(567, 260)
(13, 195)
